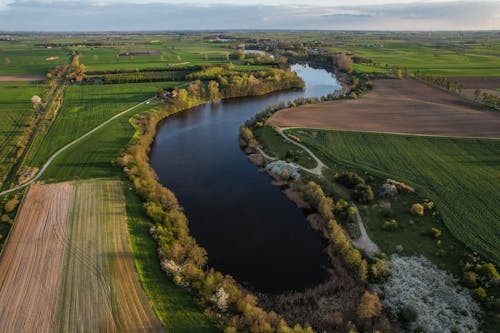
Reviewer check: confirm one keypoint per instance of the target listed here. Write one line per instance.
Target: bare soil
(8, 78)
(481, 82)
(68, 267)
(397, 106)
(32, 261)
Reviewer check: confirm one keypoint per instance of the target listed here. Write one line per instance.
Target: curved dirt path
(320, 166)
(363, 242)
(60, 151)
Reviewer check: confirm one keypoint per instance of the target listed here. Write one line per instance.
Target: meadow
(459, 175)
(15, 113)
(450, 58)
(85, 107)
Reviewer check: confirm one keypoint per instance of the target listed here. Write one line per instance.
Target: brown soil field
(397, 106)
(32, 261)
(8, 78)
(481, 82)
(95, 286)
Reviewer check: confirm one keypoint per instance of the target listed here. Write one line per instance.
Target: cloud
(29, 15)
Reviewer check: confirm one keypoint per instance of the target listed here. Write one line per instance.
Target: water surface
(248, 227)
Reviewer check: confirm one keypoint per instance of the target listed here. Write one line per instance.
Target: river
(248, 227)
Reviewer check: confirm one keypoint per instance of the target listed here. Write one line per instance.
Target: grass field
(15, 112)
(25, 58)
(452, 57)
(276, 146)
(460, 175)
(87, 106)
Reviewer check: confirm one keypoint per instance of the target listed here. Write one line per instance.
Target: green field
(15, 113)
(452, 58)
(24, 58)
(460, 175)
(85, 107)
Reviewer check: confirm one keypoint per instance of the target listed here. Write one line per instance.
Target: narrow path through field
(363, 242)
(57, 153)
(318, 170)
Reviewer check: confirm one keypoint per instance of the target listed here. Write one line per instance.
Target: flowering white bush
(283, 169)
(441, 305)
(170, 267)
(220, 299)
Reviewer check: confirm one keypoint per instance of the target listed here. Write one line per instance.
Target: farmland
(78, 230)
(15, 112)
(401, 106)
(87, 106)
(444, 54)
(460, 175)
(32, 261)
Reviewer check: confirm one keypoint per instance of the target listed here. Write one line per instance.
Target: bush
(11, 205)
(5, 218)
(369, 306)
(363, 193)
(440, 302)
(417, 209)
(480, 294)
(390, 225)
(470, 279)
(436, 232)
(348, 179)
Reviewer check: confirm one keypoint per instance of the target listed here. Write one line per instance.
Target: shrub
(363, 193)
(380, 270)
(470, 279)
(369, 306)
(5, 218)
(417, 209)
(489, 271)
(246, 134)
(11, 205)
(348, 179)
(480, 294)
(436, 232)
(440, 302)
(390, 225)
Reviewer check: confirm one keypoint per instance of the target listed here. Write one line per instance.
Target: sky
(159, 15)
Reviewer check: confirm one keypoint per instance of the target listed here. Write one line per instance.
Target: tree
(195, 89)
(343, 62)
(36, 102)
(213, 90)
(370, 306)
(417, 209)
(11, 205)
(477, 94)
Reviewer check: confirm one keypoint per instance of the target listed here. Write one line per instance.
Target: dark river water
(248, 227)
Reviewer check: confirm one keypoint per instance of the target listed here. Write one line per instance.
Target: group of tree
(76, 69)
(490, 100)
(443, 82)
(235, 83)
(360, 190)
